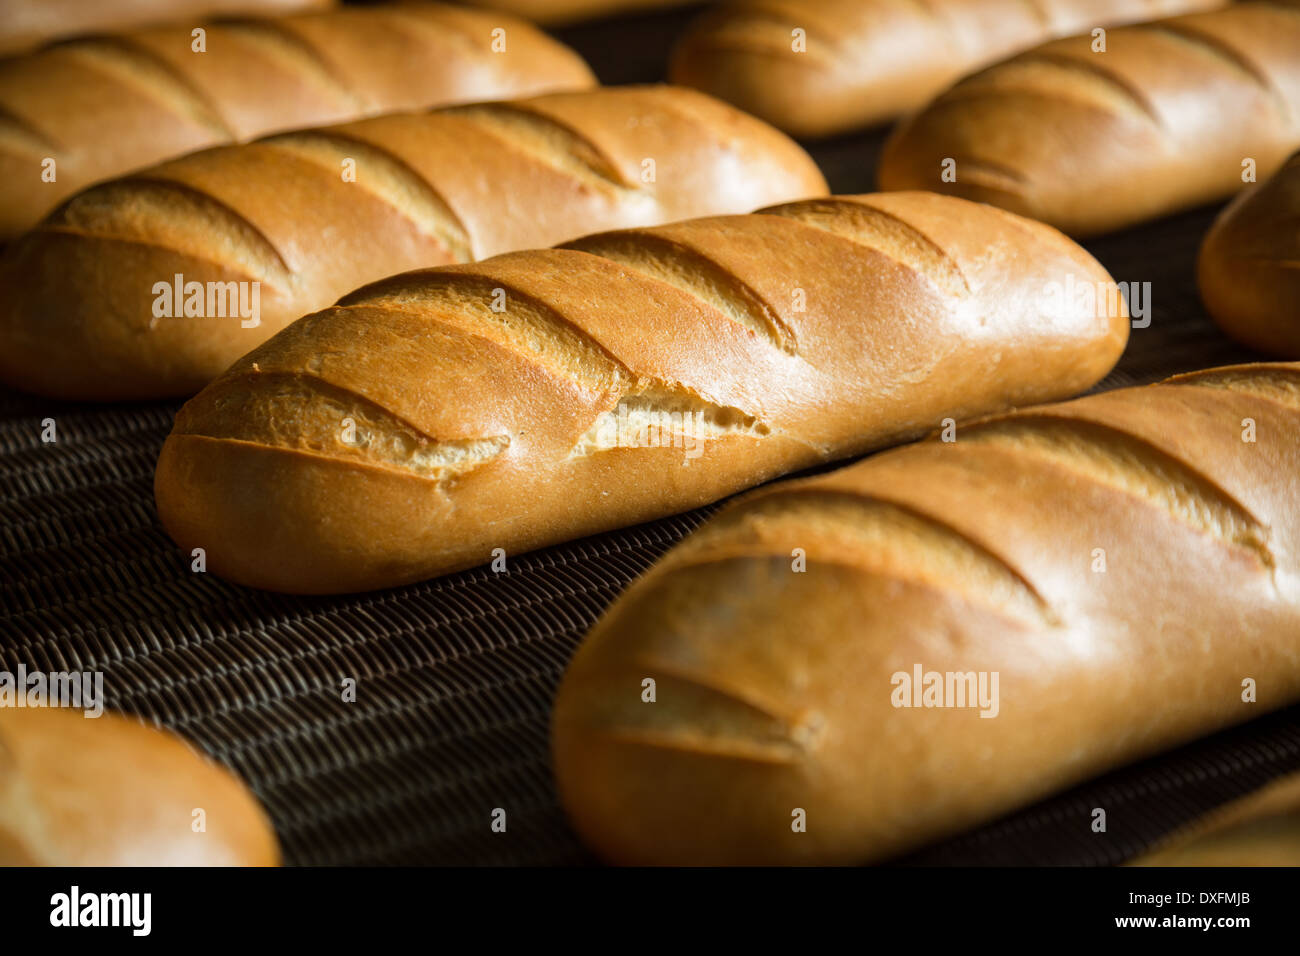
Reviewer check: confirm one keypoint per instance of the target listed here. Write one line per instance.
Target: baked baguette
(868, 61)
(1122, 563)
(1249, 267)
(413, 429)
(78, 294)
(103, 106)
(1090, 142)
(28, 23)
(1260, 829)
(110, 791)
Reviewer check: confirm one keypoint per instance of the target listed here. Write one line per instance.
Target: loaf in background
(414, 428)
(862, 62)
(110, 791)
(1260, 829)
(1124, 563)
(78, 294)
(563, 12)
(1165, 119)
(1248, 271)
(103, 106)
(28, 23)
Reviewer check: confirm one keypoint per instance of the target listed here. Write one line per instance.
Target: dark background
(455, 676)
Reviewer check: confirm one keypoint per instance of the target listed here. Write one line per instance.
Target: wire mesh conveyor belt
(455, 676)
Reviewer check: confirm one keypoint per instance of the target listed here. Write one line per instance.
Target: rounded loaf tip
(108, 791)
(695, 726)
(1246, 270)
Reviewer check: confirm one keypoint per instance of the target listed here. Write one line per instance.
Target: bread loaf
(28, 23)
(1260, 829)
(1249, 267)
(1168, 117)
(902, 649)
(109, 791)
(103, 106)
(80, 299)
(432, 418)
(825, 68)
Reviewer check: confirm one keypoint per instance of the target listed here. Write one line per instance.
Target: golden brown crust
(103, 106)
(1249, 266)
(774, 688)
(76, 309)
(109, 791)
(29, 23)
(1094, 141)
(1259, 829)
(868, 61)
(805, 333)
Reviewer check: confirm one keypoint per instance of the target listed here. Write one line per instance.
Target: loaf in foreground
(435, 417)
(1260, 829)
(97, 107)
(817, 69)
(916, 644)
(1249, 267)
(1171, 115)
(109, 791)
(152, 285)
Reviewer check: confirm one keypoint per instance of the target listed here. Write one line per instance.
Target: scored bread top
(427, 189)
(803, 333)
(28, 23)
(102, 106)
(1123, 562)
(854, 63)
(1088, 141)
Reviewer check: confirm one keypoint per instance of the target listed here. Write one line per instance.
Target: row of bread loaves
(92, 108)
